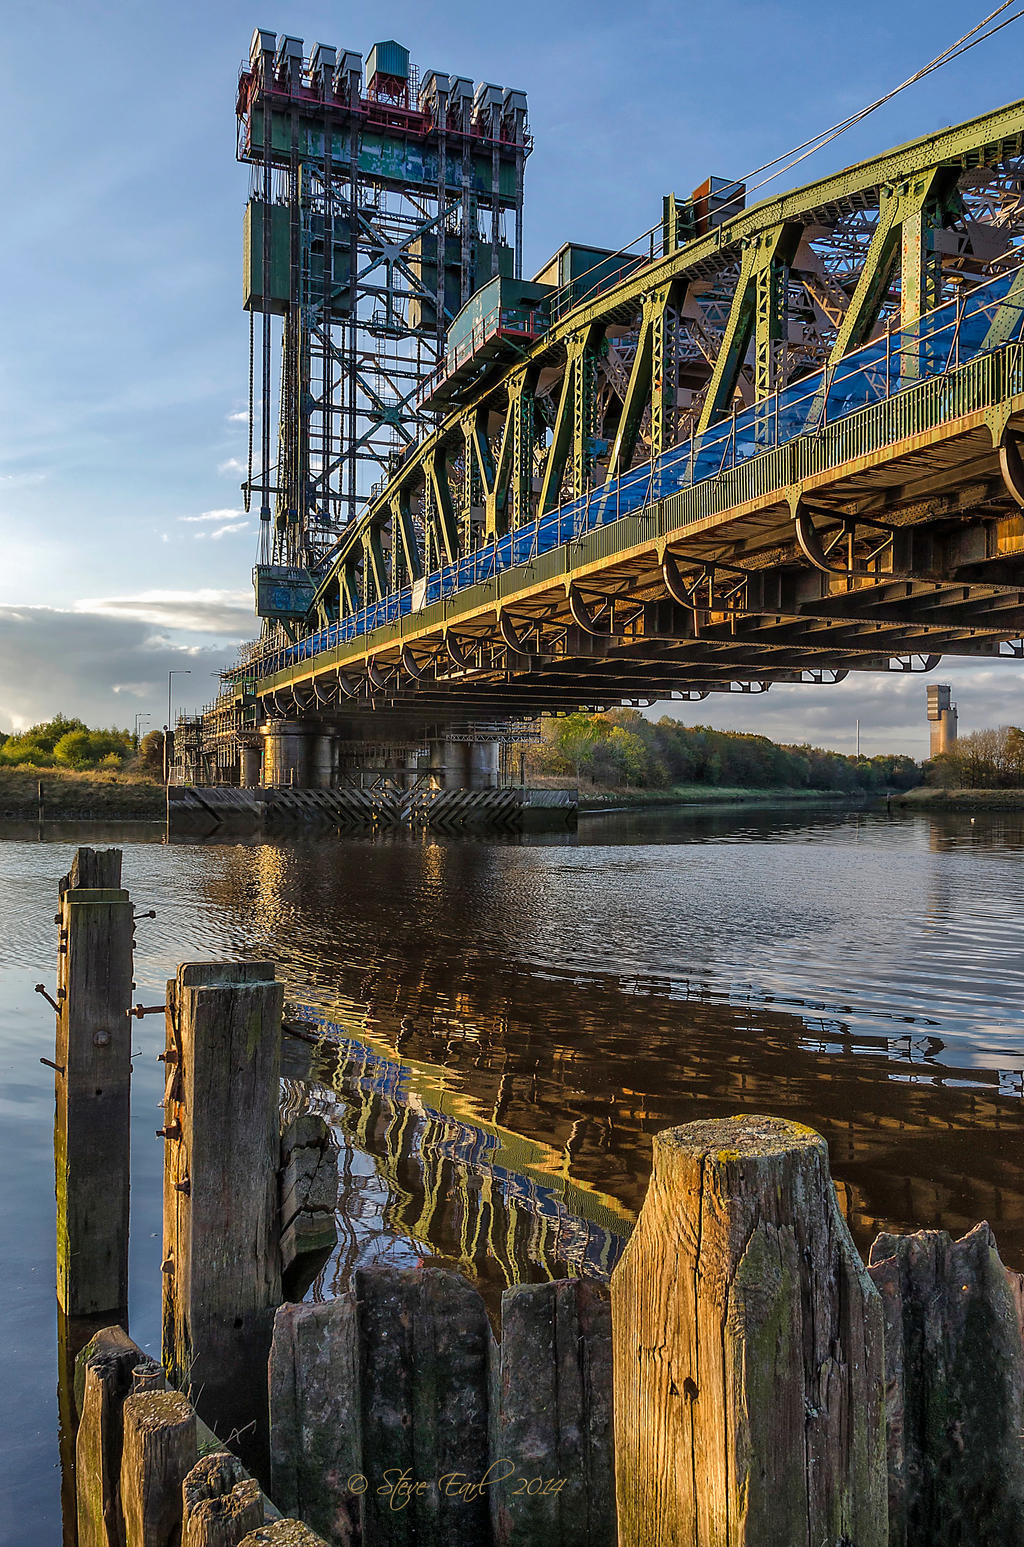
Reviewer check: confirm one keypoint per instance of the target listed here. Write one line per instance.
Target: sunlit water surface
(509, 1022)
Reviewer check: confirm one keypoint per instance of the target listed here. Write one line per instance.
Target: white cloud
(99, 665)
(241, 417)
(232, 465)
(224, 531)
(205, 611)
(227, 513)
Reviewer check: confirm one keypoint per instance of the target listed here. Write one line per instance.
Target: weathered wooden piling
(955, 1390)
(283, 1533)
(308, 1191)
(221, 1503)
(387, 1387)
(222, 1276)
(316, 1452)
(158, 1453)
(92, 1081)
(552, 1450)
(107, 1366)
(748, 1350)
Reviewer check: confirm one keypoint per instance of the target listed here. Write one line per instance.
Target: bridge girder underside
(916, 552)
(875, 525)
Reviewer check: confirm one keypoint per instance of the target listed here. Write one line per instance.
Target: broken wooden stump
(92, 1083)
(158, 1454)
(107, 1364)
(748, 1354)
(221, 1503)
(552, 1452)
(308, 1189)
(93, 868)
(283, 1533)
(955, 1390)
(222, 1277)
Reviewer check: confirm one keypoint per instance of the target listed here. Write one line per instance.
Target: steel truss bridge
(786, 446)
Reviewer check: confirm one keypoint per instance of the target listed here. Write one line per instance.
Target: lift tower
(380, 200)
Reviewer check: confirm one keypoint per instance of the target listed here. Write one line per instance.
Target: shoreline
(961, 800)
(711, 795)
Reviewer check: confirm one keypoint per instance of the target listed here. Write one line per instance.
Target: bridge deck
(694, 574)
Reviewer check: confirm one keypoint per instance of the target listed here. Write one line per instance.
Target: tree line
(68, 743)
(985, 760)
(624, 750)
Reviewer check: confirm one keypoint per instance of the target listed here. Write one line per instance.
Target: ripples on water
(509, 1023)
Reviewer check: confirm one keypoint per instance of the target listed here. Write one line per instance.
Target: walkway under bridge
(785, 447)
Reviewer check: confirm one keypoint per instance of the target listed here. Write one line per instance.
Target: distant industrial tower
(376, 208)
(941, 717)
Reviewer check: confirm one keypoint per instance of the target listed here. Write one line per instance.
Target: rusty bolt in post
(41, 989)
(172, 1131)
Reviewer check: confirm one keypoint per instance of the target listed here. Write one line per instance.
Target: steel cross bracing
(376, 207)
(783, 449)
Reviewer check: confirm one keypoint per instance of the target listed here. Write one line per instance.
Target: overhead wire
(806, 148)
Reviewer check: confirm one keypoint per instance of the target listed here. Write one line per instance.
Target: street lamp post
(179, 671)
(140, 715)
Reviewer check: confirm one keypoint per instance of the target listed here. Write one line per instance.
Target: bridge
(779, 444)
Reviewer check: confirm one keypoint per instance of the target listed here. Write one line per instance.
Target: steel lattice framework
(787, 445)
(376, 207)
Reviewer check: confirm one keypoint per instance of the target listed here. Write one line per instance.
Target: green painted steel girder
(913, 186)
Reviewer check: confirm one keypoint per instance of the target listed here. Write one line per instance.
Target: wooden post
(385, 1388)
(92, 1083)
(747, 1350)
(955, 1390)
(159, 1452)
(425, 1347)
(315, 1425)
(221, 1503)
(283, 1533)
(309, 1200)
(552, 1418)
(222, 1278)
(107, 1364)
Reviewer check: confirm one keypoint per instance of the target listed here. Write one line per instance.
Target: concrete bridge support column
(465, 765)
(288, 753)
(483, 765)
(249, 767)
(324, 761)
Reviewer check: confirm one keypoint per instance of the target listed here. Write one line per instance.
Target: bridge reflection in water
(489, 1200)
(499, 1118)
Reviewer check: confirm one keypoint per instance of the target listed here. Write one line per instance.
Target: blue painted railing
(943, 339)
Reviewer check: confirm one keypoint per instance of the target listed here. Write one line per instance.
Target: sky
(124, 550)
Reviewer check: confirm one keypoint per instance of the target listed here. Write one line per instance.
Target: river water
(504, 1024)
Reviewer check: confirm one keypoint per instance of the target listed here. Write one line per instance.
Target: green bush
(65, 743)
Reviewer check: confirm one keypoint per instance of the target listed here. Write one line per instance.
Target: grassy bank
(67, 795)
(962, 800)
(705, 795)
